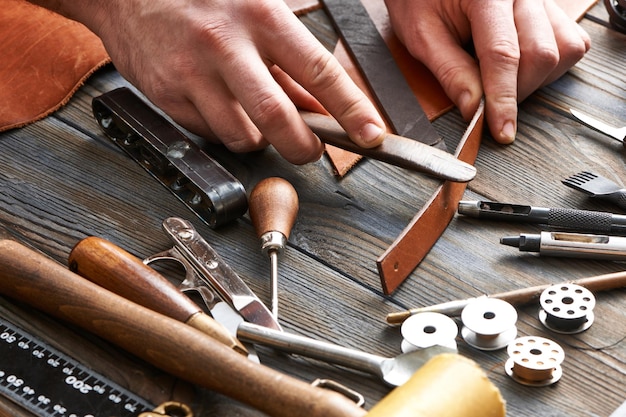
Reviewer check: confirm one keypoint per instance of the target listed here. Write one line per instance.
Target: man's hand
(233, 70)
(520, 46)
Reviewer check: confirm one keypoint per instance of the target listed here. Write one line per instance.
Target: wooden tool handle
(273, 206)
(113, 268)
(166, 343)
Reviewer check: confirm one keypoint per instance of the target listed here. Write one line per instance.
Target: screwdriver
(273, 206)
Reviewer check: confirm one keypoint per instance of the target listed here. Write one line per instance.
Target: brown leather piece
(45, 59)
(416, 240)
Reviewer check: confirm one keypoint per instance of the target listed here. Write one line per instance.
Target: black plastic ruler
(49, 383)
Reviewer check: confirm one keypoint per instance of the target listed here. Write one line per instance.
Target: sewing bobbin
(428, 329)
(534, 361)
(489, 323)
(567, 308)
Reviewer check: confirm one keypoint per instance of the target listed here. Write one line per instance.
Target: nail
(372, 134)
(507, 134)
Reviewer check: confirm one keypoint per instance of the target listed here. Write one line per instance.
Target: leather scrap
(419, 236)
(45, 59)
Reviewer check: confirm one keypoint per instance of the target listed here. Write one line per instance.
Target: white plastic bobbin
(534, 361)
(428, 329)
(567, 308)
(489, 323)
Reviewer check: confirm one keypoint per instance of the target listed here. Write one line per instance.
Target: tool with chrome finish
(393, 371)
(273, 209)
(195, 178)
(584, 221)
(617, 133)
(111, 267)
(567, 308)
(201, 260)
(572, 245)
(516, 297)
(597, 186)
(488, 323)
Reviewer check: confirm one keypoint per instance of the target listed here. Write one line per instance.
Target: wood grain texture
(62, 180)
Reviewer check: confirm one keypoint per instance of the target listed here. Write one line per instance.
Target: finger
(497, 49)
(269, 107)
(219, 109)
(300, 97)
(319, 72)
(455, 69)
(539, 53)
(572, 40)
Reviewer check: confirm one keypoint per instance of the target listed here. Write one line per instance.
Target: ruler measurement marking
(52, 384)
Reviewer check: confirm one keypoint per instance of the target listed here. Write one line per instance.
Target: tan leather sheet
(45, 58)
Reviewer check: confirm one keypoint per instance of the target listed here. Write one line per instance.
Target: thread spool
(534, 361)
(567, 308)
(428, 329)
(489, 323)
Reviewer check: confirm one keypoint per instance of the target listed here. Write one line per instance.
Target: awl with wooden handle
(113, 268)
(273, 207)
(166, 343)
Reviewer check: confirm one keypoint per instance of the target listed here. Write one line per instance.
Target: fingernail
(371, 134)
(507, 134)
(464, 101)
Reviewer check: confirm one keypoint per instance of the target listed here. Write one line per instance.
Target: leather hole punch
(489, 323)
(534, 361)
(567, 308)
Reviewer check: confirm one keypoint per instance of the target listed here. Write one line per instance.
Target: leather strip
(416, 240)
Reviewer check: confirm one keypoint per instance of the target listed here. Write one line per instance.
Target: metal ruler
(49, 383)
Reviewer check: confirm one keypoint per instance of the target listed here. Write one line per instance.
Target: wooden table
(62, 180)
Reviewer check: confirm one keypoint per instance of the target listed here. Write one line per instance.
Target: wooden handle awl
(166, 343)
(115, 269)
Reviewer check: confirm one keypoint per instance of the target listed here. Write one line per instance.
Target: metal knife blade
(385, 79)
(618, 133)
(216, 273)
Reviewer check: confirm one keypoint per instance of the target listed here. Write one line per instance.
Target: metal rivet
(567, 308)
(489, 323)
(428, 329)
(534, 361)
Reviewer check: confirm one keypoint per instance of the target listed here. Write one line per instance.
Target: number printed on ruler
(48, 383)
